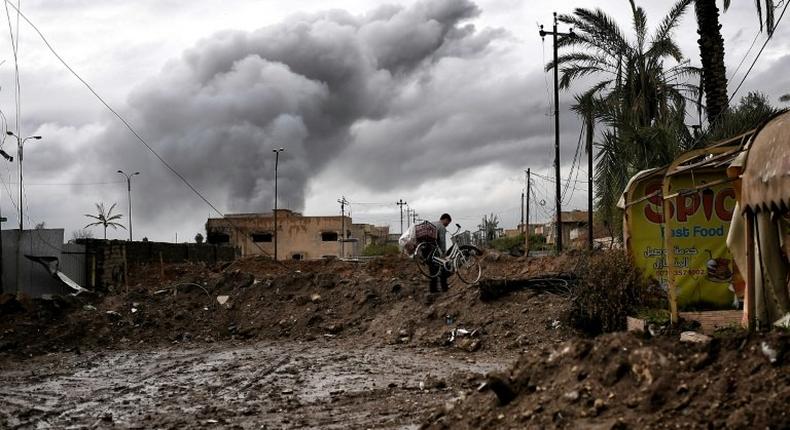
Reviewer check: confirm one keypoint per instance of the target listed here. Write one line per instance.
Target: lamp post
(20, 146)
(276, 167)
(129, 193)
(2, 220)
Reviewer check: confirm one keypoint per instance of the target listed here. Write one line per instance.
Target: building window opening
(218, 238)
(297, 257)
(329, 236)
(262, 237)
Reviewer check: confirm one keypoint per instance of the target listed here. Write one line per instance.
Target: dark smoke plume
(218, 111)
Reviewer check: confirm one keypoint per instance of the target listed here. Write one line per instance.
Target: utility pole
(401, 203)
(408, 216)
(414, 214)
(522, 210)
(343, 202)
(526, 232)
(554, 33)
(129, 193)
(276, 167)
(590, 131)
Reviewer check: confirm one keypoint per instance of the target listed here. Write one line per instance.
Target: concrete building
(574, 228)
(299, 237)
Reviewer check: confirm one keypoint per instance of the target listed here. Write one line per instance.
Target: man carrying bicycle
(441, 238)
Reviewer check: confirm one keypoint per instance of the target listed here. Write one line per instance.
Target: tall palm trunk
(711, 47)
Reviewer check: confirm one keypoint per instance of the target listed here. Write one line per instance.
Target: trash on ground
(694, 337)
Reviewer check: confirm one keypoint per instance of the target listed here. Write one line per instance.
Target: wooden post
(751, 306)
(93, 271)
(668, 254)
(125, 270)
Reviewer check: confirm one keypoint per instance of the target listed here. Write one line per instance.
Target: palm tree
(105, 218)
(711, 49)
(640, 96)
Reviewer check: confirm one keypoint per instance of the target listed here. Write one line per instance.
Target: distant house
(574, 229)
(299, 237)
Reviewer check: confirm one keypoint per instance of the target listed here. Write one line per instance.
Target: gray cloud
(217, 112)
(382, 102)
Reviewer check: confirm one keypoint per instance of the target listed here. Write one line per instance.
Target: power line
(129, 126)
(76, 184)
(768, 39)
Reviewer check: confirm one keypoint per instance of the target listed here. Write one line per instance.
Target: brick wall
(711, 320)
(105, 258)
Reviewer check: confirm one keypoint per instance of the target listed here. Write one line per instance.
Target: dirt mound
(624, 381)
(382, 301)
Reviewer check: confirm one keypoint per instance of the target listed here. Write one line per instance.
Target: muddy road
(265, 385)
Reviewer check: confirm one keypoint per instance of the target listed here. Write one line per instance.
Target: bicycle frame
(448, 261)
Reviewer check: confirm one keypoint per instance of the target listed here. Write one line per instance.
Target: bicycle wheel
(424, 256)
(467, 265)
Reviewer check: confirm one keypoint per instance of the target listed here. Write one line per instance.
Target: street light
(129, 192)
(20, 146)
(276, 167)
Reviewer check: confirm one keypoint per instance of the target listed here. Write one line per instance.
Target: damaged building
(299, 237)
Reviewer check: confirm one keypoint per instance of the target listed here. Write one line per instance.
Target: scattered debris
(783, 322)
(694, 337)
(769, 352)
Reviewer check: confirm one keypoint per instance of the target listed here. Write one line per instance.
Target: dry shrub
(609, 289)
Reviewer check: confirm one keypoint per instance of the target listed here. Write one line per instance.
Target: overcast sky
(442, 103)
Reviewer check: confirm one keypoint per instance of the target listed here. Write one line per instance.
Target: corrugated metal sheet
(72, 263)
(766, 177)
(35, 280)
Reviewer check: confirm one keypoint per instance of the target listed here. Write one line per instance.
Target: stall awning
(766, 177)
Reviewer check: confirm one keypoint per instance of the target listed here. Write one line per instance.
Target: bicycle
(463, 259)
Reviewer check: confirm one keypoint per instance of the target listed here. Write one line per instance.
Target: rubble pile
(383, 301)
(621, 381)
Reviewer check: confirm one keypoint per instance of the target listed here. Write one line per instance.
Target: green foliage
(509, 244)
(610, 288)
(639, 100)
(538, 243)
(753, 109)
(376, 249)
(489, 224)
(199, 238)
(515, 244)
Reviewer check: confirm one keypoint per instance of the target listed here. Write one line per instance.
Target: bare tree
(81, 234)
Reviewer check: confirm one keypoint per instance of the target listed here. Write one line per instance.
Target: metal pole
(19, 155)
(343, 202)
(557, 137)
(129, 194)
(526, 233)
(276, 168)
(342, 230)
